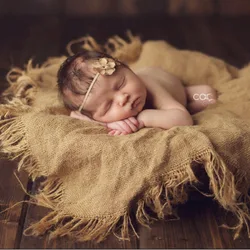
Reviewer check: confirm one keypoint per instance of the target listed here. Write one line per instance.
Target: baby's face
(116, 97)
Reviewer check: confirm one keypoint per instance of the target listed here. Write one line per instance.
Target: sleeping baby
(99, 88)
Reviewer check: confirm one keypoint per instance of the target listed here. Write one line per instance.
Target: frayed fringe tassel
(87, 42)
(17, 74)
(59, 224)
(50, 193)
(166, 191)
(127, 52)
(14, 74)
(161, 197)
(222, 183)
(82, 229)
(15, 146)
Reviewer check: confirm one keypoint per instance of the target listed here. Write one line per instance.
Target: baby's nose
(122, 99)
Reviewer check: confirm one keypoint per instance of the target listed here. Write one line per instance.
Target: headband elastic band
(104, 66)
(90, 87)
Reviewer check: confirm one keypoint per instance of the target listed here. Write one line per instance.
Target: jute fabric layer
(94, 181)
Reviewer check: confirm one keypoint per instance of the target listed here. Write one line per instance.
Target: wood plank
(38, 38)
(235, 39)
(217, 37)
(198, 226)
(30, 7)
(208, 39)
(175, 7)
(11, 193)
(116, 7)
(35, 213)
(227, 235)
(184, 26)
(14, 52)
(33, 38)
(197, 7)
(191, 7)
(87, 8)
(234, 8)
(195, 229)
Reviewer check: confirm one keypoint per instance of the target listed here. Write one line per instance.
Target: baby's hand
(124, 127)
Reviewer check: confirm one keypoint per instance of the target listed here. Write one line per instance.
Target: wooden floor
(22, 38)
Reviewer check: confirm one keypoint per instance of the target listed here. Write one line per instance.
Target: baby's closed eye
(121, 83)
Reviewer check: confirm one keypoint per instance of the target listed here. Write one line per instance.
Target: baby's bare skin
(166, 102)
(163, 88)
(166, 89)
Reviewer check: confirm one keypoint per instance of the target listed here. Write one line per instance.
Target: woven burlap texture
(94, 180)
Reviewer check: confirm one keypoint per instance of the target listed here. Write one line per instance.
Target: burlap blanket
(95, 181)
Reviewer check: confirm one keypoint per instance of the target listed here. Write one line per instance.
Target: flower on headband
(105, 66)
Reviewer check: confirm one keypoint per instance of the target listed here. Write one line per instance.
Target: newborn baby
(97, 87)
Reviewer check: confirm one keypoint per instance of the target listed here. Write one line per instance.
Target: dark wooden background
(38, 29)
(126, 7)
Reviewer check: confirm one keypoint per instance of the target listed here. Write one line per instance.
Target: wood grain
(10, 194)
(200, 220)
(84, 8)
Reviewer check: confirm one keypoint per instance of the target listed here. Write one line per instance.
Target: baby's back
(158, 80)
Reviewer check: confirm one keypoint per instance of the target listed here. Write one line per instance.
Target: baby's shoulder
(163, 87)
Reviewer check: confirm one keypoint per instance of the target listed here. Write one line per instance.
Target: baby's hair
(77, 80)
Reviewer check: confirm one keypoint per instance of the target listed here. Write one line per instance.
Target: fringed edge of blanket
(127, 51)
(222, 184)
(159, 197)
(14, 145)
(59, 224)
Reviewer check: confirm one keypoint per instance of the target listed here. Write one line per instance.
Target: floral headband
(104, 66)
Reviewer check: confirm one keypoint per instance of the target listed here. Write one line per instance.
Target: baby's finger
(111, 132)
(134, 121)
(124, 126)
(132, 126)
(123, 133)
(117, 132)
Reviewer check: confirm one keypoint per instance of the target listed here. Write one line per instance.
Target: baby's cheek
(130, 113)
(121, 114)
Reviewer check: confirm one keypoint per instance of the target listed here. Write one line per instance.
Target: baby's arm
(165, 119)
(122, 127)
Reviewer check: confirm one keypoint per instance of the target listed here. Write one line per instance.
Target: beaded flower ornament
(104, 66)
